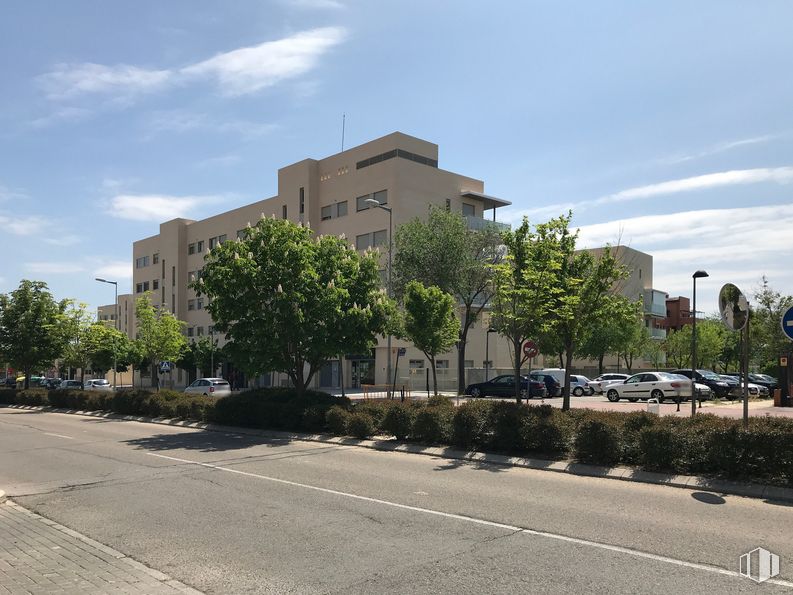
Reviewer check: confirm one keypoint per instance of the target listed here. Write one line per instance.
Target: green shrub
(8, 396)
(597, 441)
(471, 424)
(506, 419)
(361, 425)
(376, 409)
(546, 430)
(632, 425)
(657, 447)
(337, 419)
(398, 420)
(440, 401)
(433, 424)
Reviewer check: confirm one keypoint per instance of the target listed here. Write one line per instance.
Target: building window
(155, 258)
(199, 246)
(221, 239)
(442, 364)
(199, 304)
(190, 249)
(283, 212)
(449, 208)
(173, 276)
(190, 331)
(191, 277)
(191, 304)
(363, 241)
(401, 153)
(380, 196)
(338, 209)
(199, 331)
(145, 286)
(241, 234)
(416, 364)
(469, 363)
(380, 238)
(210, 330)
(302, 200)
(468, 210)
(141, 262)
(155, 285)
(139, 288)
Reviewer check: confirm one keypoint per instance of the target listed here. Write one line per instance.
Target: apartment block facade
(330, 194)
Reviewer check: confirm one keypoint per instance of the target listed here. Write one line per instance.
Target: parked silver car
(599, 384)
(210, 387)
(96, 384)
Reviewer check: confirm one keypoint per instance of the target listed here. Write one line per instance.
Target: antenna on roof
(343, 119)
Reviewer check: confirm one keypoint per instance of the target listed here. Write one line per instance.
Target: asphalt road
(228, 513)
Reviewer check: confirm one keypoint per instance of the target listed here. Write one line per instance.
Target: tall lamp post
(115, 323)
(377, 204)
(487, 352)
(695, 276)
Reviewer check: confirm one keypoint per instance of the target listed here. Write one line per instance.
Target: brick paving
(39, 556)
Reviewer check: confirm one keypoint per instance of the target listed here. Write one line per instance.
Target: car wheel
(206, 395)
(613, 396)
(475, 392)
(578, 391)
(657, 394)
(633, 399)
(524, 394)
(591, 392)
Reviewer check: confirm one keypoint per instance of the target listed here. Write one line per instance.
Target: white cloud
(23, 226)
(156, 207)
(66, 114)
(314, 4)
(69, 80)
(719, 148)
(7, 193)
(237, 72)
(117, 269)
(779, 175)
(66, 240)
(54, 268)
(219, 161)
(183, 121)
(736, 245)
(250, 69)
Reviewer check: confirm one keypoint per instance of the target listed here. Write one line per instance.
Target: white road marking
(474, 520)
(59, 435)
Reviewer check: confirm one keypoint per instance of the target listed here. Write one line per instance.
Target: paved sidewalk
(38, 555)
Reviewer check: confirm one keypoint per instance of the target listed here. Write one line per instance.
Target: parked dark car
(10, 382)
(552, 385)
(720, 388)
(51, 383)
(504, 386)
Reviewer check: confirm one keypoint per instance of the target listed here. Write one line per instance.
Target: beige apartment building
(399, 171)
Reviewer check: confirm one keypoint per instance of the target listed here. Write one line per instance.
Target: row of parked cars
(58, 383)
(674, 385)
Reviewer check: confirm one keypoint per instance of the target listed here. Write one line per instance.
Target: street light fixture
(377, 204)
(115, 323)
(695, 276)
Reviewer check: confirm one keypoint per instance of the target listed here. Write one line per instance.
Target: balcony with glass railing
(479, 223)
(655, 303)
(658, 333)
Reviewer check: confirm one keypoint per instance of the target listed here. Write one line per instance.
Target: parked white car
(210, 387)
(654, 385)
(579, 385)
(96, 384)
(599, 384)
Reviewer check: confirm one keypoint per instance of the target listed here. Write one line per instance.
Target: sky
(664, 126)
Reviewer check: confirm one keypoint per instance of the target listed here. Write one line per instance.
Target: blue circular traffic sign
(787, 323)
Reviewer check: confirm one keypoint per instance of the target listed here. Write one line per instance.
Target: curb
(691, 482)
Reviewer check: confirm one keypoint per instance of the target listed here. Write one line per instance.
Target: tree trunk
(561, 359)
(461, 361)
(566, 389)
(600, 363)
(27, 378)
(516, 346)
(434, 377)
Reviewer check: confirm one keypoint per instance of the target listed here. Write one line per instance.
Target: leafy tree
(203, 354)
(677, 346)
(430, 321)
(616, 332)
(159, 334)
(655, 353)
(290, 302)
(31, 327)
(583, 293)
(638, 343)
(767, 340)
(524, 288)
(77, 322)
(106, 344)
(443, 251)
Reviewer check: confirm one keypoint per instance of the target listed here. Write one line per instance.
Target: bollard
(653, 406)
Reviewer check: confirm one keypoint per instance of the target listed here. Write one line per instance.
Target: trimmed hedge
(704, 445)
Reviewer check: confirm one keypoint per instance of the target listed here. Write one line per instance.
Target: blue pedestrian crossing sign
(787, 323)
(165, 367)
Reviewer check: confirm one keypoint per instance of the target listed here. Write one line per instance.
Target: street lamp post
(695, 276)
(377, 204)
(487, 353)
(115, 323)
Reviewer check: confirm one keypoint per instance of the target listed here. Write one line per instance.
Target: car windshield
(220, 382)
(709, 375)
(101, 382)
